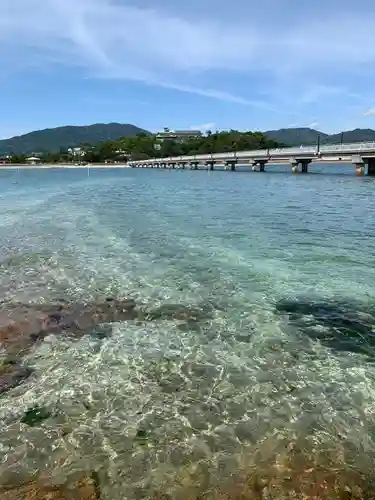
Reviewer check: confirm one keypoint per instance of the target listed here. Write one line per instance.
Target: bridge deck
(339, 151)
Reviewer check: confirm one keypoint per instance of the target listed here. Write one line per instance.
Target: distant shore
(62, 165)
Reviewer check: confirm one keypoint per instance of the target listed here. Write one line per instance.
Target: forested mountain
(309, 136)
(54, 140)
(62, 138)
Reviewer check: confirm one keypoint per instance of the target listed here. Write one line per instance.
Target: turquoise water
(286, 264)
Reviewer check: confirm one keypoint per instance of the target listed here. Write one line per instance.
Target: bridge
(361, 155)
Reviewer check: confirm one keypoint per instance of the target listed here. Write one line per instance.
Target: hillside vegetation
(62, 138)
(100, 138)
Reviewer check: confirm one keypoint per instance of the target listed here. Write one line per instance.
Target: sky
(207, 64)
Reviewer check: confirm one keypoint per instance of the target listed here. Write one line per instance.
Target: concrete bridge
(361, 155)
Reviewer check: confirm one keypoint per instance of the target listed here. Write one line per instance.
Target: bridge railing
(356, 147)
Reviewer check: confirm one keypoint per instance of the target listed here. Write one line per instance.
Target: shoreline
(12, 166)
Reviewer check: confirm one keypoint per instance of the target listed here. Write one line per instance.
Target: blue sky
(213, 64)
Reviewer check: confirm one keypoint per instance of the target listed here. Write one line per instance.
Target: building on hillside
(178, 135)
(76, 151)
(33, 160)
(121, 155)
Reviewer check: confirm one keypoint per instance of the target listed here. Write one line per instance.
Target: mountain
(356, 135)
(296, 136)
(309, 136)
(52, 139)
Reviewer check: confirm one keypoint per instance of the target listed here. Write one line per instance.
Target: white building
(76, 151)
(33, 160)
(178, 135)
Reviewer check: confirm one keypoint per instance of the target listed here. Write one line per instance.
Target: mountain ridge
(70, 136)
(308, 136)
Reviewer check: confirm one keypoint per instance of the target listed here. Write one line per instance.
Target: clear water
(156, 403)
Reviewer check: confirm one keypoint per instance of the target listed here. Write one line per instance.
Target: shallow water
(284, 261)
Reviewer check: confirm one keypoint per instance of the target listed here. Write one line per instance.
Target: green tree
(18, 159)
(144, 146)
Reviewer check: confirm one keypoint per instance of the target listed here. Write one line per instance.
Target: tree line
(144, 146)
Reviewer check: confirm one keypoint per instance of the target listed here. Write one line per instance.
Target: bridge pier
(230, 165)
(304, 162)
(194, 165)
(210, 165)
(359, 163)
(305, 166)
(261, 163)
(360, 169)
(262, 166)
(182, 165)
(370, 166)
(171, 165)
(294, 164)
(362, 164)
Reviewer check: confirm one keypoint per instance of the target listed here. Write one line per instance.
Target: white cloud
(303, 125)
(369, 112)
(117, 41)
(112, 39)
(215, 94)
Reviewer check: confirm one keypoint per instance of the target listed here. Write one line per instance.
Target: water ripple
(279, 377)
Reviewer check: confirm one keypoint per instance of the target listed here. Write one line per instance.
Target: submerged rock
(142, 437)
(22, 325)
(339, 324)
(13, 379)
(85, 488)
(12, 374)
(34, 416)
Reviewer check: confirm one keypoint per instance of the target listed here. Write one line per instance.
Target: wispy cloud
(111, 40)
(369, 112)
(303, 125)
(215, 94)
(186, 51)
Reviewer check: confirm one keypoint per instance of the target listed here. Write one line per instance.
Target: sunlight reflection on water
(160, 406)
